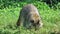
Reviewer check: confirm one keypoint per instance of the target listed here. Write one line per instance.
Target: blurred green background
(48, 9)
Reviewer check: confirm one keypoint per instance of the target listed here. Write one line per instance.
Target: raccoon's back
(29, 9)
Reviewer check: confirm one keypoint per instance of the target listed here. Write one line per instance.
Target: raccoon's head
(34, 21)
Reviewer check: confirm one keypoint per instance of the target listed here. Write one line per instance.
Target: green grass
(50, 19)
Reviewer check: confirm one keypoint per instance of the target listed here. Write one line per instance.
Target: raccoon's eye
(32, 21)
(38, 22)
